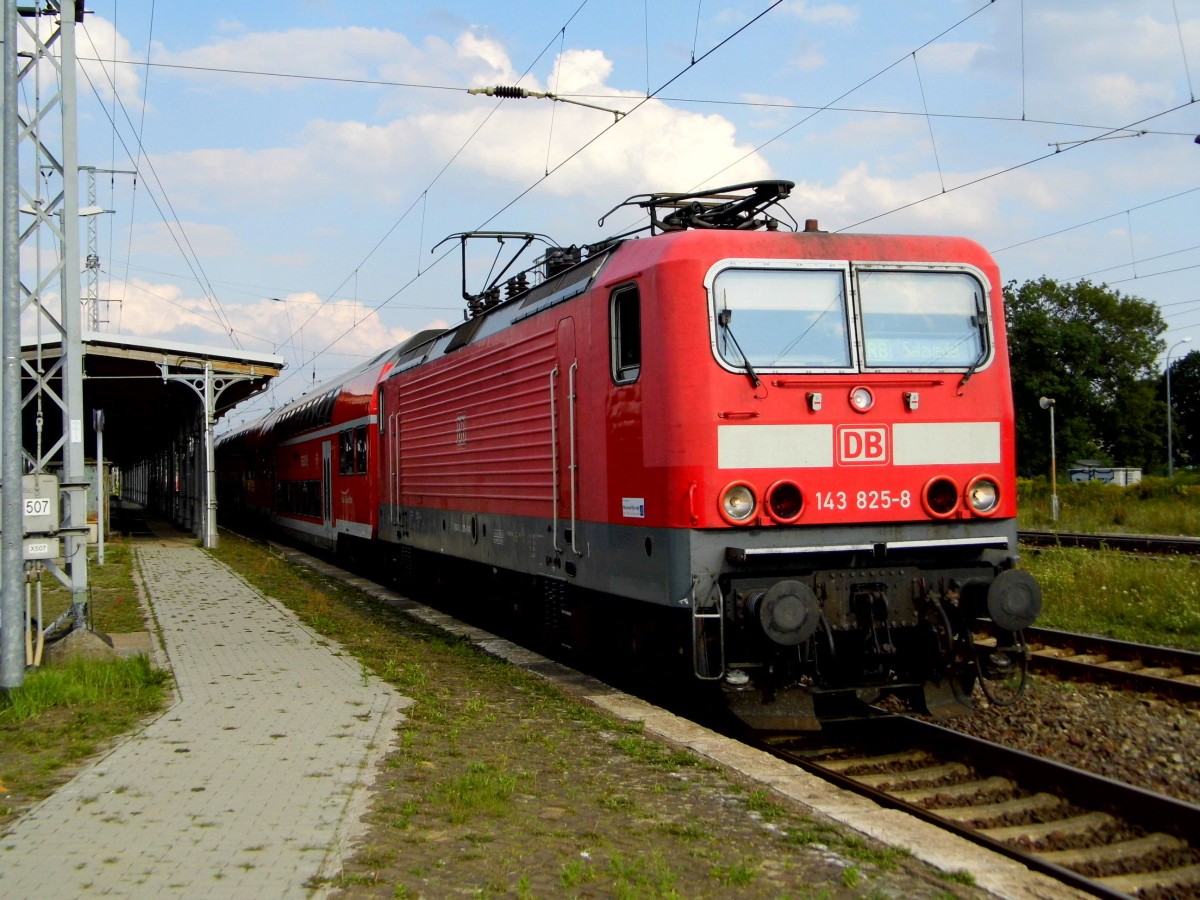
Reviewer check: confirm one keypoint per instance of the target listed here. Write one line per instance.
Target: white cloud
(207, 241)
(472, 49)
(949, 56)
(1106, 61)
(980, 211)
(658, 147)
(152, 309)
(352, 52)
(302, 324)
(823, 13)
(298, 326)
(97, 44)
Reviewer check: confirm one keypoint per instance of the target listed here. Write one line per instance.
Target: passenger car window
(360, 449)
(346, 453)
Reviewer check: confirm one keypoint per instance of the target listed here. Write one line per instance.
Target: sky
(298, 167)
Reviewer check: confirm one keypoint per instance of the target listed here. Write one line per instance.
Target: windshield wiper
(981, 324)
(723, 318)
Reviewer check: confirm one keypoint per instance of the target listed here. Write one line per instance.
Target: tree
(1185, 408)
(1094, 351)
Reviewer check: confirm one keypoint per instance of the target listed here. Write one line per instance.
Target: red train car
(309, 465)
(787, 456)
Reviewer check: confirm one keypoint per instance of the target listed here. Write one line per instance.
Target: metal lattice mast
(97, 318)
(93, 262)
(50, 297)
(12, 651)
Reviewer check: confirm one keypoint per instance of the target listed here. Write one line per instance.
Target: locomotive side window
(360, 450)
(626, 328)
(931, 319)
(776, 318)
(346, 453)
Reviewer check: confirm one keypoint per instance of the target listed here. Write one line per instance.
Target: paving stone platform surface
(249, 785)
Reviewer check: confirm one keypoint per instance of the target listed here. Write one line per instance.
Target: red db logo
(863, 446)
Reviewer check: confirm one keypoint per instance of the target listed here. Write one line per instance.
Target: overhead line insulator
(505, 91)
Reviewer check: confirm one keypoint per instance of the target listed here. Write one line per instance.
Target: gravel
(1131, 737)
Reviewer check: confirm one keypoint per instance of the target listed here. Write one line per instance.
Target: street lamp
(1048, 403)
(1170, 448)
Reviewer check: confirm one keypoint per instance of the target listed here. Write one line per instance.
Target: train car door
(327, 483)
(392, 468)
(566, 460)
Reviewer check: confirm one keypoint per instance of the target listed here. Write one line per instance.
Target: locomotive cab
(830, 419)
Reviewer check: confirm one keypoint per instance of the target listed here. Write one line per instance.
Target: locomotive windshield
(774, 318)
(921, 319)
(782, 318)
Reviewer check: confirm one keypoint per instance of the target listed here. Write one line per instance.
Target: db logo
(863, 446)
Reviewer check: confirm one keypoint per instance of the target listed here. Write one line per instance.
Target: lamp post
(1170, 447)
(1048, 403)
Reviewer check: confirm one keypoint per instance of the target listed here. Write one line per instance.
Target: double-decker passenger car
(309, 465)
(784, 457)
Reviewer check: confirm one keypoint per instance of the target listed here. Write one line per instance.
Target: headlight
(738, 503)
(983, 496)
(861, 399)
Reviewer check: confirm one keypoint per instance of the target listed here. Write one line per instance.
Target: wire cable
(562, 163)
(192, 260)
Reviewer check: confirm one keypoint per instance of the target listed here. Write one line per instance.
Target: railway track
(1138, 667)
(1134, 543)
(1099, 835)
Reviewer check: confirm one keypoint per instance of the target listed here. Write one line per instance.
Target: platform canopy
(143, 412)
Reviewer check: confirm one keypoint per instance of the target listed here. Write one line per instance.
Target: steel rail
(1133, 543)
(1146, 809)
(1167, 671)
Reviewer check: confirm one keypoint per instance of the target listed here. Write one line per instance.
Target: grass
(112, 593)
(483, 790)
(1120, 595)
(1155, 506)
(1132, 598)
(62, 715)
(84, 684)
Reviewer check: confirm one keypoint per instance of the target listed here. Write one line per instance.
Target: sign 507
(37, 506)
(836, 500)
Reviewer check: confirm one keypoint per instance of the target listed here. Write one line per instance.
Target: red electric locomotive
(786, 456)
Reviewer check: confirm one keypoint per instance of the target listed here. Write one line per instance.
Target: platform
(247, 785)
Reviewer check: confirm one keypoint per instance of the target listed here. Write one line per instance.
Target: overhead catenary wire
(1134, 263)
(190, 256)
(929, 122)
(817, 110)
(423, 196)
(1013, 168)
(1183, 49)
(139, 133)
(1050, 234)
(1106, 133)
(739, 30)
(581, 95)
